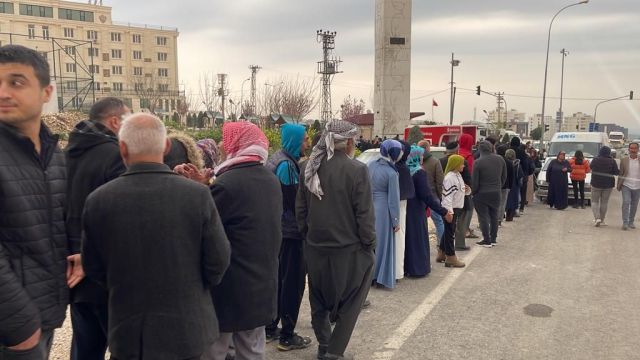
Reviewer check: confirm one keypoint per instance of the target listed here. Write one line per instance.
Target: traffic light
(478, 90)
(631, 95)
(546, 127)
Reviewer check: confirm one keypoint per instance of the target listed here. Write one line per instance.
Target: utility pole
(327, 68)
(560, 119)
(254, 71)
(223, 92)
(452, 98)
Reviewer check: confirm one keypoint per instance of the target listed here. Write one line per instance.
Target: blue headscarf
(292, 138)
(391, 150)
(414, 161)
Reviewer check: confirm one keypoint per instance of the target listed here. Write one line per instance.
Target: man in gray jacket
(488, 176)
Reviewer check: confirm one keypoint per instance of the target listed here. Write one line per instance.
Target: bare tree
(351, 107)
(150, 89)
(290, 96)
(185, 106)
(209, 91)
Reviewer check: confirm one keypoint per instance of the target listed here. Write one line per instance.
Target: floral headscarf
(243, 142)
(210, 152)
(414, 161)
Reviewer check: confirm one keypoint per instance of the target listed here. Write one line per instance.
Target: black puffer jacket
(33, 240)
(604, 169)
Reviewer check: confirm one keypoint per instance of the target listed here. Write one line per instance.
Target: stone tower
(393, 67)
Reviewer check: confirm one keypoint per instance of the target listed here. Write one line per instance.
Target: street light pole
(242, 96)
(452, 97)
(564, 55)
(595, 111)
(546, 65)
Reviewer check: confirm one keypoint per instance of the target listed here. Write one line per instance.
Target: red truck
(440, 135)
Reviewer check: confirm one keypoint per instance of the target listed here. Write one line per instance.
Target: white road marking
(411, 323)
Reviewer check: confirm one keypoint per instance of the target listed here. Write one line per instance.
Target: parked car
(374, 154)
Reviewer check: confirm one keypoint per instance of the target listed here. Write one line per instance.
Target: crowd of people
(167, 248)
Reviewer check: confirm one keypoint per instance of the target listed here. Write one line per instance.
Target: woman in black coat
(558, 180)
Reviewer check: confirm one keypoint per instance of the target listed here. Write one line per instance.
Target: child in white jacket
(453, 192)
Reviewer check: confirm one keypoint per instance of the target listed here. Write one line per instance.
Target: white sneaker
(602, 223)
(598, 222)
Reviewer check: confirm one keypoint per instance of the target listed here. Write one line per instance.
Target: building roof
(367, 119)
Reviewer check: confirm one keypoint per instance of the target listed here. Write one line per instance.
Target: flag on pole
(433, 102)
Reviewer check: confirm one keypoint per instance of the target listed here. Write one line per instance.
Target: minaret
(393, 67)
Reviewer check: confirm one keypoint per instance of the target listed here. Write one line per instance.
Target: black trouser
(291, 282)
(523, 192)
(488, 218)
(339, 281)
(90, 326)
(448, 238)
(578, 186)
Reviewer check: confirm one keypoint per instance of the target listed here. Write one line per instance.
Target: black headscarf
(407, 190)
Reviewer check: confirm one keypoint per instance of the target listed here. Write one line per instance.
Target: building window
(35, 10)
(106, 73)
(72, 85)
(45, 32)
(161, 41)
(163, 87)
(32, 31)
(162, 56)
(68, 32)
(6, 7)
(96, 85)
(137, 55)
(117, 86)
(92, 35)
(116, 37)
(94, 69)
(70, 50)
(116, 54)
(93, 52)
(137, 71)
(116, 70)
(77, 15)
(137, 39)
(163, 72)
(138, 86)
(71, 68)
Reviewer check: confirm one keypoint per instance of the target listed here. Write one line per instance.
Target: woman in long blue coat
(386, 201)
(558, 180)
(417, 261)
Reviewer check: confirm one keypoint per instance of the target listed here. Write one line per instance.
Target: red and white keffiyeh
(243, 142)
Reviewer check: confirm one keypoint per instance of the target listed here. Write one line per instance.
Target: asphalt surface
(555, 287)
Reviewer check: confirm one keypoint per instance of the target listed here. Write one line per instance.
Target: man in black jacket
(93, 159)
(33, 240)
(155, 240)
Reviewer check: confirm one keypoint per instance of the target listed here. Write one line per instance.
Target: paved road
(555, 288)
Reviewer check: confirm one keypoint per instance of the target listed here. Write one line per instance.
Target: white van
(570, 142)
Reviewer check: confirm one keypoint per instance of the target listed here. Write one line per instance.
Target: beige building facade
(92, 56)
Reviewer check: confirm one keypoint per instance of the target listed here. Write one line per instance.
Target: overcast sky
(501, 45)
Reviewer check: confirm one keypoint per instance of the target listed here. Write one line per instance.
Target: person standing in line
(291, 273)
(603, 171)
(417, 253)
(156, 242)
(515, 177)
(460, 233)
(504, 196)
(629, 185)
(93, 159)
(335, 214)
(466, 151)
(407, 191)
(558, 182)
(527, 168)
(386, 201)
(249, 199)
(579, 170)
(454, 190)
(35, 252)
(435, 177)
(489, 175)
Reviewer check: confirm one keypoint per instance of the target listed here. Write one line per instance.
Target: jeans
(629, 205)
(438, 221)
(578, 187)
(90, 325)
(600, 202)
(249, 345)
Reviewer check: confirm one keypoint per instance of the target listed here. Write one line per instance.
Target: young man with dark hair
(35, 272)
(93, 159)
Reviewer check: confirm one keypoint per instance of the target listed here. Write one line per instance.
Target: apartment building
(577, 122)
(92, 56)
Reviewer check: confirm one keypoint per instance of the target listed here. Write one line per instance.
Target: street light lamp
(546, 65)
(452, 99)
(595, 111)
